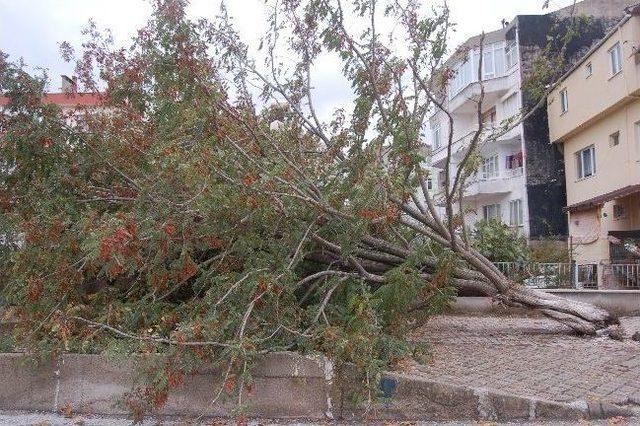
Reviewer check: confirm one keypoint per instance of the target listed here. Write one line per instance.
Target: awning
(604, 198)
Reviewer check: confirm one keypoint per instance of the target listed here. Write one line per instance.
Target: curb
(428, 397)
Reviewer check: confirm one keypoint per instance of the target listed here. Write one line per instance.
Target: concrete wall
(286, 386)
(608, 8)
(545, 172)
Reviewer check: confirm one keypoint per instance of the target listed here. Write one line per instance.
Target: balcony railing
(512, 173)
(501, 183)
(502, 174)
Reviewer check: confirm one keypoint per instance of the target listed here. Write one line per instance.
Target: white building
(498, 190)
(520, 179)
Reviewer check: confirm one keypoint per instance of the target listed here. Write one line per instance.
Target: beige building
(594, 112)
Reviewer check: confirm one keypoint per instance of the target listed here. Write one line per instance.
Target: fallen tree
(185, 217)
(394, 96)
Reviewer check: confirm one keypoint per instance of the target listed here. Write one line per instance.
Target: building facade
(594, 115)
(520, 179)
(68, 98)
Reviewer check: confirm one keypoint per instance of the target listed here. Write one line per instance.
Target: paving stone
(533, 357)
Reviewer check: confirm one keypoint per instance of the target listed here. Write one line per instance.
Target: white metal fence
(539, 275)
(567, 275)
(626, 275)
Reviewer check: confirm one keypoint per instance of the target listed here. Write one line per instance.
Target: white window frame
(614, 139)
(615, 59)
(510, 55)
(488, 65)
(589, 69)
(564, 101)
(583, 163)
(466, 70)
(493, 62)
(492, 211)
(436, 134)
(516, 217)
(491, 167)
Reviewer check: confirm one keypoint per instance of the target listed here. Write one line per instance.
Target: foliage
(550, 251)
(500, 243)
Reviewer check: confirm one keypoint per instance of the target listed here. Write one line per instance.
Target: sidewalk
(534, 357)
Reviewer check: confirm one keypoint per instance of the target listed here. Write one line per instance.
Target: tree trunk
(481, 277)
(584, 318)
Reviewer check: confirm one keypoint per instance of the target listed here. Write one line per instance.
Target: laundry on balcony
(514, 161)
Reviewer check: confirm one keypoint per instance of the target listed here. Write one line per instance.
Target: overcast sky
(32, 29)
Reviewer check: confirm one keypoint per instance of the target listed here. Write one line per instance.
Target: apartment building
(594, 115)
(520, 180)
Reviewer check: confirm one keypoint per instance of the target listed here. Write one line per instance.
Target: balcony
(460, 147)
(506, 182)
(465, 101)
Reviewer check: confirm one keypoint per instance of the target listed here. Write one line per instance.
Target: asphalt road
(47, 419)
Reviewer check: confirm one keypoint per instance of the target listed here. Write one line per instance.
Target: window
(492, 211)
(511, 55)
(515, 213)
(466, 71)
(489, 119)
(588, 69)
(463, 76)
(490, 167)
(493, 61)
(442, 179)
(564, 101)
(429, 184)
(488, 66)
(614, 139)
(619, 211)
(436, 134)
(586, 162)
(615, 59)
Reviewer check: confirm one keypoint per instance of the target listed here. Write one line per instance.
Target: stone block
(270, 397)
(605, 410)
(416, 399)
(509, 407)
(287, 364)
(94, 384)
(27, 384)
(557, 411)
